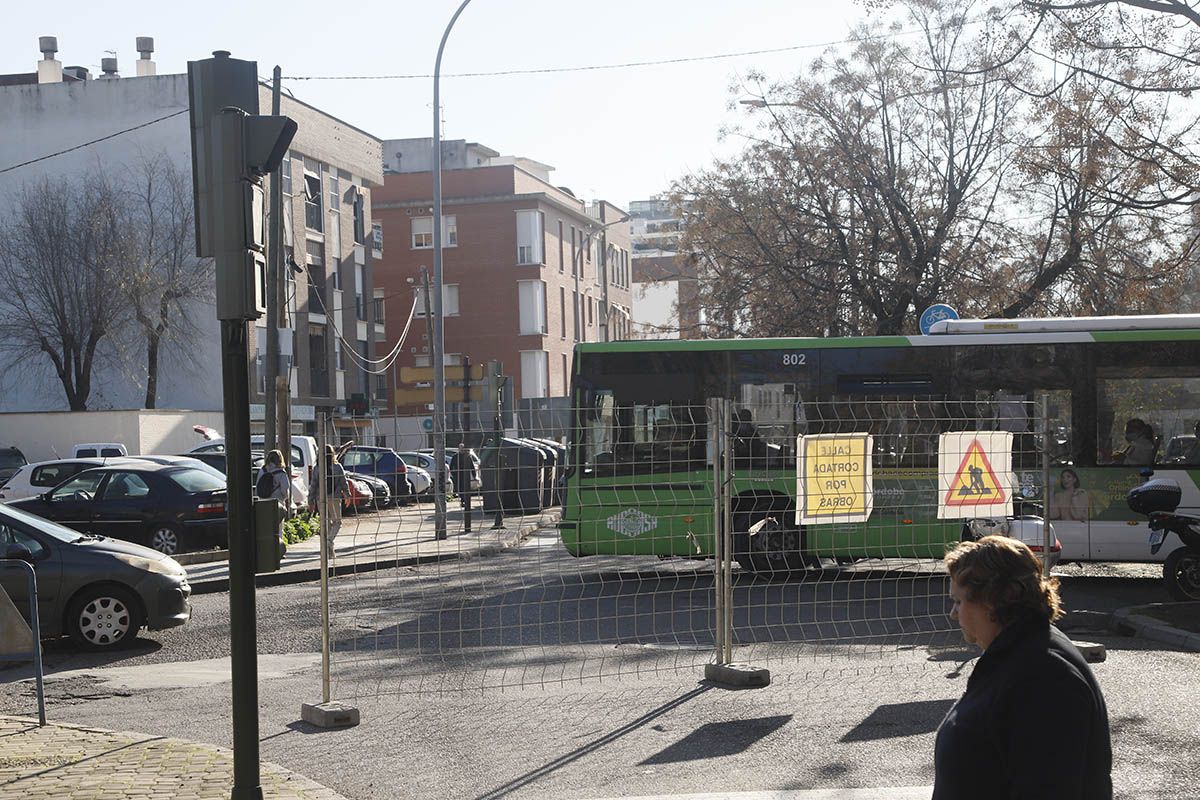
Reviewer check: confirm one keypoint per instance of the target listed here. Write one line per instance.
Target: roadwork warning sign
(833, 478)
(975, 477)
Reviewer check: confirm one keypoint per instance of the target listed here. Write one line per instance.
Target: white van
(303, 457)
(99, 450)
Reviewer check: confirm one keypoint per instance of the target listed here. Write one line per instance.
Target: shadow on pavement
(893, 720)
(717, 739)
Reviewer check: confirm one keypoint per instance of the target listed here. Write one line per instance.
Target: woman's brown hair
(1003, 573)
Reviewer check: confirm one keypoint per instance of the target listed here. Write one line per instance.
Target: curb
(284, 578)
(1130, 622)
(203, 557)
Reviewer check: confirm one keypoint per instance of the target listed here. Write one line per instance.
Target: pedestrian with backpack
(274, 481)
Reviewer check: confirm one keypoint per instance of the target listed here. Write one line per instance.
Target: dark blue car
(382, 463)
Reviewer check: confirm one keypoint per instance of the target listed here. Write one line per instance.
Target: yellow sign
(454, 372)
(975, 476)
(834, 479)
(423, 395)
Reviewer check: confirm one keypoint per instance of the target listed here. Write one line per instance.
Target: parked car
(385, 464)
(167, 507)
(425, 462)
(98, 591)
(303, 457)
(381, 495)
(421, 482)
(99, 450)
(34, 479)
(11, 460)
(359, 496)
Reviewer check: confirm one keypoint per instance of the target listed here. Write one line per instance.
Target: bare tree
(63, 256)
(869, 194)
(168, 283)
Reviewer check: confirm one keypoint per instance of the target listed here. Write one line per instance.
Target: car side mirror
(19, 552)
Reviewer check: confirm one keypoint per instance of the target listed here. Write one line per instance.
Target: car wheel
(164, 539)
(104, 617)
(1181, 571)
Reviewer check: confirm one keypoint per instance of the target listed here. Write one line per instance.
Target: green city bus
(642, 444)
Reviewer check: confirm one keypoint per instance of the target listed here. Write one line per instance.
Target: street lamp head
(755, 103)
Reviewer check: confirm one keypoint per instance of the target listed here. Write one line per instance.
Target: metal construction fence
(660, 539)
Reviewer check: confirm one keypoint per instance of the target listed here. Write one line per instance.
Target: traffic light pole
(243, 627)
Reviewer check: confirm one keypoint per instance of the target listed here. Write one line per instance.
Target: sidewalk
(70, 762)
(382, 540)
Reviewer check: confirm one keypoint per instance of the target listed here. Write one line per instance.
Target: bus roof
(1056, 324)
(1160, 327)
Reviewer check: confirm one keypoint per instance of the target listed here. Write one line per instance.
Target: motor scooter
(1158, 499)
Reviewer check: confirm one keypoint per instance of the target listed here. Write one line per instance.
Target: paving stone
(71, 762)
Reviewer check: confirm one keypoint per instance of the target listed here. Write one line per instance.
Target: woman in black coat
(1032, 722)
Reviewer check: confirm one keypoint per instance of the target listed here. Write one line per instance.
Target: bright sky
(620, 134)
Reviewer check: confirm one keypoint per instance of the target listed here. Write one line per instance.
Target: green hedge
(300, 527)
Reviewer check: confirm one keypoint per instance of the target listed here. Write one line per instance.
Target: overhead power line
(92, 142)
(602, 67)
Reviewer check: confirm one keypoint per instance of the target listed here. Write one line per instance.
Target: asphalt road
(532, 674)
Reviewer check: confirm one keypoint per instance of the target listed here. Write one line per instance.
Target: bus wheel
(765, 545)
(1181, 572)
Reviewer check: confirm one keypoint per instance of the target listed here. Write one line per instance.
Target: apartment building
(529, 269)
(664, 290)
(61, 122)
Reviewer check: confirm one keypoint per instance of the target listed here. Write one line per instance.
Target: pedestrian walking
(335, 491)
(462, 472)
(1032, 721)
(274, 481)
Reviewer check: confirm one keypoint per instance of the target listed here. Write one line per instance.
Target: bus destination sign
(833, 478)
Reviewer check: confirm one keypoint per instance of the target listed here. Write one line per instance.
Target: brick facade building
(528, 268)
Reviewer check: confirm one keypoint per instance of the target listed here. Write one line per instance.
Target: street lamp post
(439, 366)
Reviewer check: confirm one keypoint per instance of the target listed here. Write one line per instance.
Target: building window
(315, 253)
(422, 232)
(335, 249)
(319, 369)
(561, 246)
(360, 220)
(449, 300)
(531, 296)
(591, 317)
(339, 360)
(566, 376)
(364, 350)
(335, 200)
(314, 213)
(360, 289)
(379, 306)
(574, 252)
(562, 312)
(535, 378)
(530, 237)
(285, 174)
(381, 387)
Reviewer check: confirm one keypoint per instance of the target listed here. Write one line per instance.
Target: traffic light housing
(268, 535)
(231, 152)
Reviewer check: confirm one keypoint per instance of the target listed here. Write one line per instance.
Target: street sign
(934, 314)
(975, 477)
(834, 480)
(422, 395)
(454, 372)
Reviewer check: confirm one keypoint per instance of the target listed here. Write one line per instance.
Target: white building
(664, 285)
(58, 122)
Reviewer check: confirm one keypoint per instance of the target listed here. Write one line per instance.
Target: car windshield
(194, 480)
(11, 460)
(43, 525)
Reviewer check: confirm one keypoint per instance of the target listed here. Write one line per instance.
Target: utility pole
(274, 260)
(439, 461)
